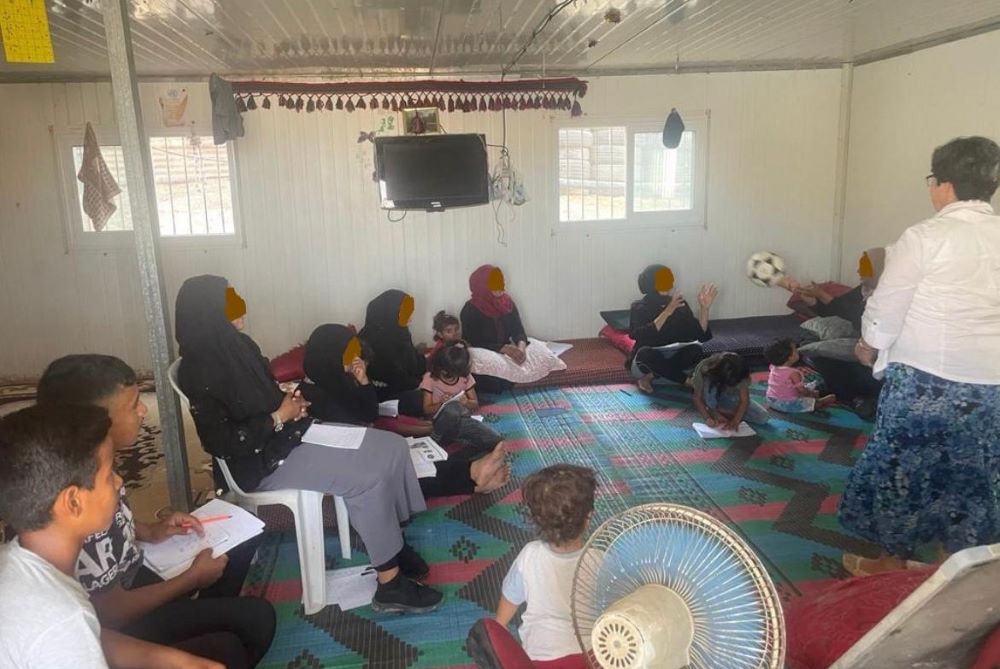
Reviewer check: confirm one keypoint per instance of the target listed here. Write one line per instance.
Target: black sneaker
(401, 595)
(411, 564)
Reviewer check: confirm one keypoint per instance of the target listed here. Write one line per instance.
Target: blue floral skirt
(931, 470)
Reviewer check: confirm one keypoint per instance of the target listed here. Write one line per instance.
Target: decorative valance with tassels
(466, 96)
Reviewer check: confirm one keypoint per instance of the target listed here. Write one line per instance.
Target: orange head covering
(236, 307)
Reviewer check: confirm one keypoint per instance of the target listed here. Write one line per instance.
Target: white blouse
(937, 305)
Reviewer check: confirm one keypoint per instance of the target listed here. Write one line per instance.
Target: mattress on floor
(750, 336)
(590, 362)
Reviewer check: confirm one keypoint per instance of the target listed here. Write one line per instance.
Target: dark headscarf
(228, 360)
(647, 286)
(324, 356)
(382, 320)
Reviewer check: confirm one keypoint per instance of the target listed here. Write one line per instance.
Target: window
(191, 175)
(623, 173)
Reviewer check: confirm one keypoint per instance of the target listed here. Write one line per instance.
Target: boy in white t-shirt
(560, 501)
(57, 487)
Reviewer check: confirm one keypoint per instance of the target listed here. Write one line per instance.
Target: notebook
(335, 436)
(174, 556)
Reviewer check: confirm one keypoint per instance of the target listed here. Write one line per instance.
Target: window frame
(78, 237)
(646, 220)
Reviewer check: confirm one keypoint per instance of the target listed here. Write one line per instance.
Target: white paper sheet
(172, 557)
(558, 347)
(335, 436)
(668, 350)
(389, 408)
(424, 452)
(351, 587)
(706, 432)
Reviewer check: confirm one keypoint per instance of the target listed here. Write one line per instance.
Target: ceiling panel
(481, 37)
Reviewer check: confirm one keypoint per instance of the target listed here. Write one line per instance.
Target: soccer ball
(765, 268)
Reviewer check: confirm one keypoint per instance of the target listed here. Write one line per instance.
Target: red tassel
(451, 103)
(581, 90)
(440, 103)
(251, 103)
(361, 103)
(385, 103)
(300, 104)
(240, 105)
(577, 109)
(395, 104)
(350, 105)
(522, 105)
(373, 103)
(266, 104)
(329, 103)
(311, 106)
(482, 104)
(340, 103)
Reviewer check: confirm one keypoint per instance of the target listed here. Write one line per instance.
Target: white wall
(902, 109)
(317, 248)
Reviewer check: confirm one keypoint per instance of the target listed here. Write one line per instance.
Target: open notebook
(174, 556)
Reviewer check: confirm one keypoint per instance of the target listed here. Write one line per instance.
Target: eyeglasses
(932, 179)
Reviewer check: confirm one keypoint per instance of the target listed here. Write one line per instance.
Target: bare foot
(645, 383)
(485, 468)
(826, 401)
(499, 480)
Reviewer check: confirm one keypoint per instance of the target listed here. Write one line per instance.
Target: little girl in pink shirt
(791, 388)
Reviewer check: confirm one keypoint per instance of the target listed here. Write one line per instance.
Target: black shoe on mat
(401, 595)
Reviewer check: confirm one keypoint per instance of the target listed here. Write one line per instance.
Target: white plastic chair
(307, 508)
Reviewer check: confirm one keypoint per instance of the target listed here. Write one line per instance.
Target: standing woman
(660, 318)
(397, 367)
(243, 418)
(931, 470)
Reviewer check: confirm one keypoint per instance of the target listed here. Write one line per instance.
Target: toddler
(793, 388)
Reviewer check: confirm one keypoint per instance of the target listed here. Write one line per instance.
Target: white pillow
(539, 363)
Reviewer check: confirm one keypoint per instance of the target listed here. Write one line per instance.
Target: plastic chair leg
(312, 552)
(343, 526)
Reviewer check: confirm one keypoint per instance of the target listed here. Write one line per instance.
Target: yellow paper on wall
(24, 26)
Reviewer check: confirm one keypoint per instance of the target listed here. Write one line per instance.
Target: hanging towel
(227, 123)
(99, 186)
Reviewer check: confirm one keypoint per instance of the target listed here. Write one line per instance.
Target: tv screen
(432, 172)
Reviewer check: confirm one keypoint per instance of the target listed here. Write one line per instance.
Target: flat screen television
(432, 172)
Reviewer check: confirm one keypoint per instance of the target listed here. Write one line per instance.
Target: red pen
(208, 520)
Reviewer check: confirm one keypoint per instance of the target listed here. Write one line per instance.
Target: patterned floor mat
(779, 490)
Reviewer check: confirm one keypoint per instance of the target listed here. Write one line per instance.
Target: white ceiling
(185, 38)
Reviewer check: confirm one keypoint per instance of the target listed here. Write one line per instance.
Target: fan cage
(604, 538)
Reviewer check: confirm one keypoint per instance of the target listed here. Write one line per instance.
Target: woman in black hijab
(243, 418)
(339, 390)
(397, 367)
(660, 319)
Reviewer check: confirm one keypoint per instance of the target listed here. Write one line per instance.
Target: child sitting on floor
(721, 385)
(793, 388)
(447, 329)
(450, 398)
(560, 501)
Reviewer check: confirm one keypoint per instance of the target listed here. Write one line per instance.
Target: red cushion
(493, 647)
(803, 310)
(824, 626)
(289, 365)
(621, 340)
(392, 424)
(989, 652)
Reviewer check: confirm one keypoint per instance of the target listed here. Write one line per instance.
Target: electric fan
(664, 586)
